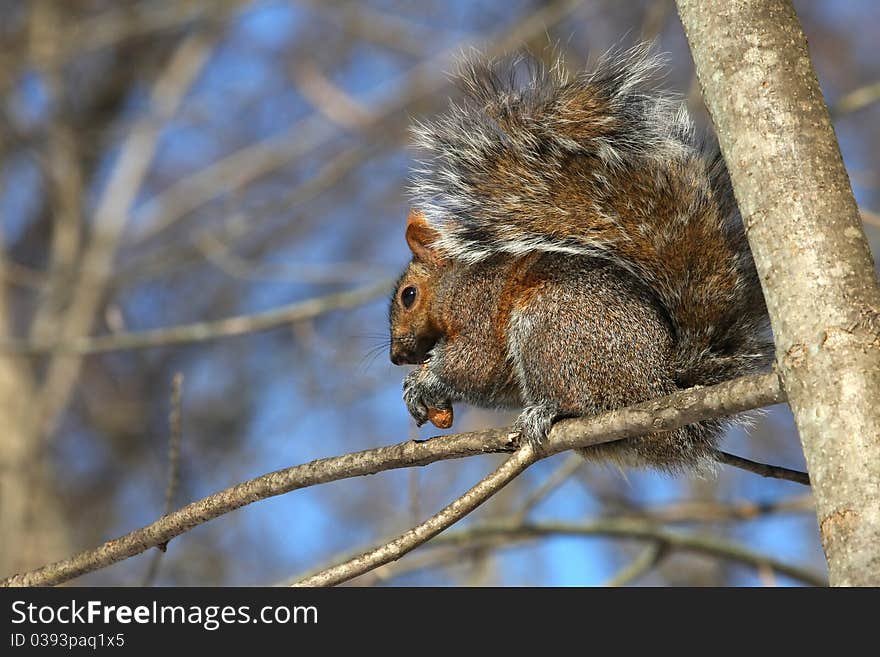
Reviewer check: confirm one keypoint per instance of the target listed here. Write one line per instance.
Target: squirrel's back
(599, 164)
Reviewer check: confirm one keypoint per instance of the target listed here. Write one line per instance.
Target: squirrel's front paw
(423, 391)
(534, 423)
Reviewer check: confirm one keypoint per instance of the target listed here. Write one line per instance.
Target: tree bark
(813, 259)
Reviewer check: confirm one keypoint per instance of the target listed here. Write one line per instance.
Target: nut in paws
(426, 399)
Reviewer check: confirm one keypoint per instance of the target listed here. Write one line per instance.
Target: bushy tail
(599, 164)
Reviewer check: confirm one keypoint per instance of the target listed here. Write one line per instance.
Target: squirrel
(576, 248)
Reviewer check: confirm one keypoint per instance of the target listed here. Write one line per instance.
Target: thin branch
(115, 26)
(669, 412)
(442, 554)
(635, 529)
(856, 100)
(63, 172)
(383, 29)
(219, 254)
(111, 215)
(211, 330)
(233, 225)
(558, 477)
(702, 511)
(870, 217)
(257, 160)
(174, 434)
(326, 97)
(525, 456)
(772, 471)
(357, 464)
(648, 559)
(666, 413)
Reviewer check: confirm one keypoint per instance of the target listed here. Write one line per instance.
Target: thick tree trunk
(816, 270)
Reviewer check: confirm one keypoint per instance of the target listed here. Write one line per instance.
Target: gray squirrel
(575, 248)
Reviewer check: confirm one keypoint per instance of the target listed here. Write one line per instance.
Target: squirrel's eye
(408, 296)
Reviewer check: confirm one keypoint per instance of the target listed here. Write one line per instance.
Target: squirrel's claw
(535, 421)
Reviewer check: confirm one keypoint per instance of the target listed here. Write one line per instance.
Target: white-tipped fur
(601, 164)
(503, 114)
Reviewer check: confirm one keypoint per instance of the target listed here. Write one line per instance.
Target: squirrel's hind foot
(535, 421)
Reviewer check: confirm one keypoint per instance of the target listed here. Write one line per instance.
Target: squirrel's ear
(421, 237)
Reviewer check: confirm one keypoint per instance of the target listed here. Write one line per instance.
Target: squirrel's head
(415, 328)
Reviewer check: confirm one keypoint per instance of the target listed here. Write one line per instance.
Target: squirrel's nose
(401, 355)
(398, 357)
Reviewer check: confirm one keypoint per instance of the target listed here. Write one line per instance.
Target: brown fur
(575, 249)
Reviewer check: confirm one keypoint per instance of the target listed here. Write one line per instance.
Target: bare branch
(357, 464)
(629, 528)
(509, 470)
(112, 27)
(665, 413)
(220, 255)
(856, 99)
(870, 217)
(328, 98)
(558, 477)
(381, 28)
(174, 434)
(257, 160)
(231, 226)
(211, 330)
(701, 511)
(111, 214)
(771, 471)
(648, 559)
(442, 553)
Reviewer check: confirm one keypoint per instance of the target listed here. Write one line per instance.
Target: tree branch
(669, 412)
(174, 435)
(254, 161)
(111, 214)
(556, 479)
(708, 511)
(856, 99)
(442, 553)
(771, 471)
(509, 470)
(211, 330)
(636, 529)
(648, 559)
(666, 413)
(321, 471)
